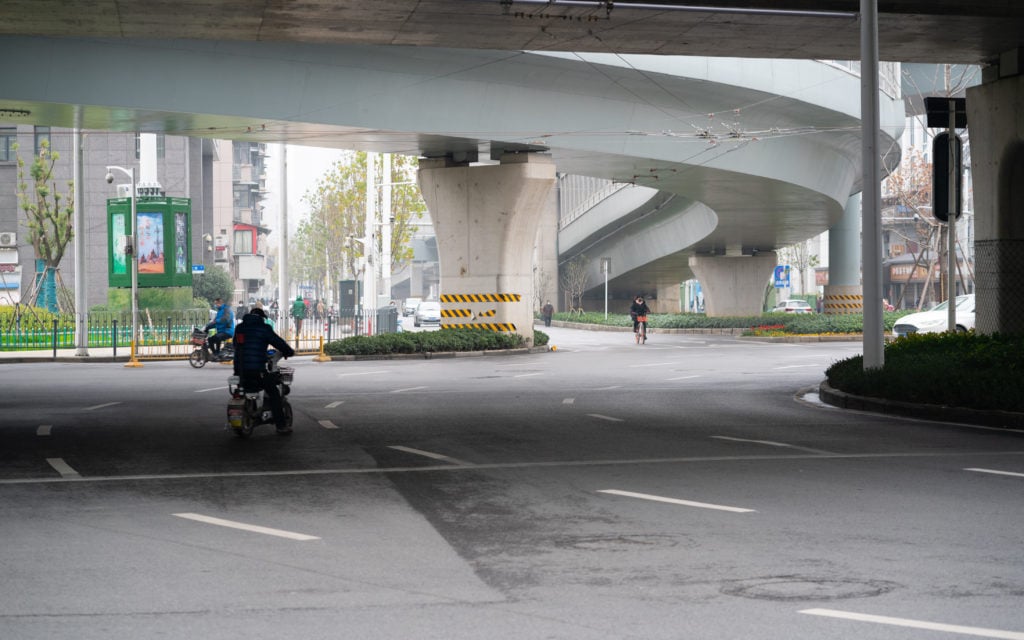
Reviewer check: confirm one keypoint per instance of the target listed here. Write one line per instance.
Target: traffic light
(940, 176)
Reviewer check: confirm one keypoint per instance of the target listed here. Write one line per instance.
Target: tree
(801, 259)
(48, 217)
(325, 242)
(214, 283)
(574, 281)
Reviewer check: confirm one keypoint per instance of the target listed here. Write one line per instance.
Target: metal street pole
(871, 227)
(133, 245)
(81, 300)
(952, 173)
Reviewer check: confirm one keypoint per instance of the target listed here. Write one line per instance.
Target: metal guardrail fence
(171, 337)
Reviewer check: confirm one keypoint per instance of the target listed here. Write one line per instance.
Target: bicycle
(641, 329)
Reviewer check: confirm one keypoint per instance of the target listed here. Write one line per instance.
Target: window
(8, 136)
(243, 242)
(42, 133)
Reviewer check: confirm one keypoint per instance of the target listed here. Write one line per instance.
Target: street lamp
(132, 246)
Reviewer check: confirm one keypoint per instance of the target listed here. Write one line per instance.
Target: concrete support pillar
(997, 163)
(545, 260)
(668, 299)
(844, 293)
(734, 286)
(485, 219)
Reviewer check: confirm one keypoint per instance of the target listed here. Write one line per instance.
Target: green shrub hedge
(953, 369)
(424, 342)
(795, 323)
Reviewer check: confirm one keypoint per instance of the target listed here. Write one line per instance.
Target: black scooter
(250, 408)
(201, 353)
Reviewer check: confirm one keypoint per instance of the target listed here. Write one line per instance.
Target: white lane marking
(100, 406)
(63, 468)
(291, 535)
(796, 366)
(334, 404)
(682, 378)
(44, 429)
(359, 373)
(327, 424)
(603, 417)
(408, 389)
(569, 401)
(210, 389)
(772, 444)
(917, 624)
(685, 503)
(614, 386)
(527, 375)
(652, 364)
(996, 472)
(428, 454)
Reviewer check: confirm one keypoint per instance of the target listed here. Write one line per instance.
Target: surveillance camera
(110, 178)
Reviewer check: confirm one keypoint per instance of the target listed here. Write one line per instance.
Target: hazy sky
(305, 166)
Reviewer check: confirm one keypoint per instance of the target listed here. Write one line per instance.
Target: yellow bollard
(322, 357)
(133, 360)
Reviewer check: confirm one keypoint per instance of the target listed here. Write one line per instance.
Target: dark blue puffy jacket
(252, 339)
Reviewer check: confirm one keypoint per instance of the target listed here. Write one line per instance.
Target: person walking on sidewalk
(545, 313)
(299, 313)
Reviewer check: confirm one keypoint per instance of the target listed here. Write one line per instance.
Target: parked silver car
(936, 319)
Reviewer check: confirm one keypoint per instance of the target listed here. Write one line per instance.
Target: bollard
(54, 338)
(321, 357)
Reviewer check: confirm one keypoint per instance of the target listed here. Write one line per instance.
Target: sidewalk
(95, 354)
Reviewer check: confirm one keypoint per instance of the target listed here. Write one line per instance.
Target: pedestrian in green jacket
(299, 313)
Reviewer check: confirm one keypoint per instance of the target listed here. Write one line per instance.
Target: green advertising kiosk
(165, 249)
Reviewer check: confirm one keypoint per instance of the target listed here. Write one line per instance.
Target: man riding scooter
(252, 338)
(224, 323)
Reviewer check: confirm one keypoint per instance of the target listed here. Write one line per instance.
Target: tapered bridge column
(486, 218)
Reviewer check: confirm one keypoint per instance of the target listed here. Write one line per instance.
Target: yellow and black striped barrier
(843, 303)
(480, 297)
(456, 313)
(487, 314)
(491, 326)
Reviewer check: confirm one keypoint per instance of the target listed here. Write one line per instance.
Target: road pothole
(789, 588)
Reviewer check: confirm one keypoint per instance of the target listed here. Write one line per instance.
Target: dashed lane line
(327, 424)
(291, 535)
(685, 503)
(358, 373)
(334, 404)
(652, 364)
(429, 454)
(100, 406)
(996, 472)
(604, 417)
(682, 378)
(408, 389)
(917, 624)
(770, 443)
(569, 401)
(211, 389)
(63, 468)
(527, 375)
(44, 429)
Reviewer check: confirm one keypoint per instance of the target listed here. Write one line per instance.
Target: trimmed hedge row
(424, 342)
(797, 323)
(954, 369)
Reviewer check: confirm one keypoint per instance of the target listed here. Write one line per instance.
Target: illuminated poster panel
(164, 240)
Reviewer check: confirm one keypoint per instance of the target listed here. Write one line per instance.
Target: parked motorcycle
(201, 353)
(249, 408)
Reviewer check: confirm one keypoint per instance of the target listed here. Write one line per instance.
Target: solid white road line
(100, 406)
(772, 444)
(408, 389)
(210, 389)
(334, 404)
(614, 386)
(685, 503)
(603, 417)
(569, 401)
(996, 472)
(246, 527)
(682, 378)
(917, 624)
(428, 454)
(44, 429)
(527, 375)
(359, 373)
(327, 424)
(63, 468)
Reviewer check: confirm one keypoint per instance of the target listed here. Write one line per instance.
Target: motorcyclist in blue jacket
(224, 322)
(252, 339)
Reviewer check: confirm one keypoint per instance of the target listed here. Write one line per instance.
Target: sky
(306, 165)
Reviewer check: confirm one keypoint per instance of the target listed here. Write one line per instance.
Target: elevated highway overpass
(235, 70)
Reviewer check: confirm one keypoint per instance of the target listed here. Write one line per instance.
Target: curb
(440, 355)
(932, 412)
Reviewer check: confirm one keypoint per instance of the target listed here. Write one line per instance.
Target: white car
(427, 313)
(410, 305)
(793, 306)
(936, 319)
